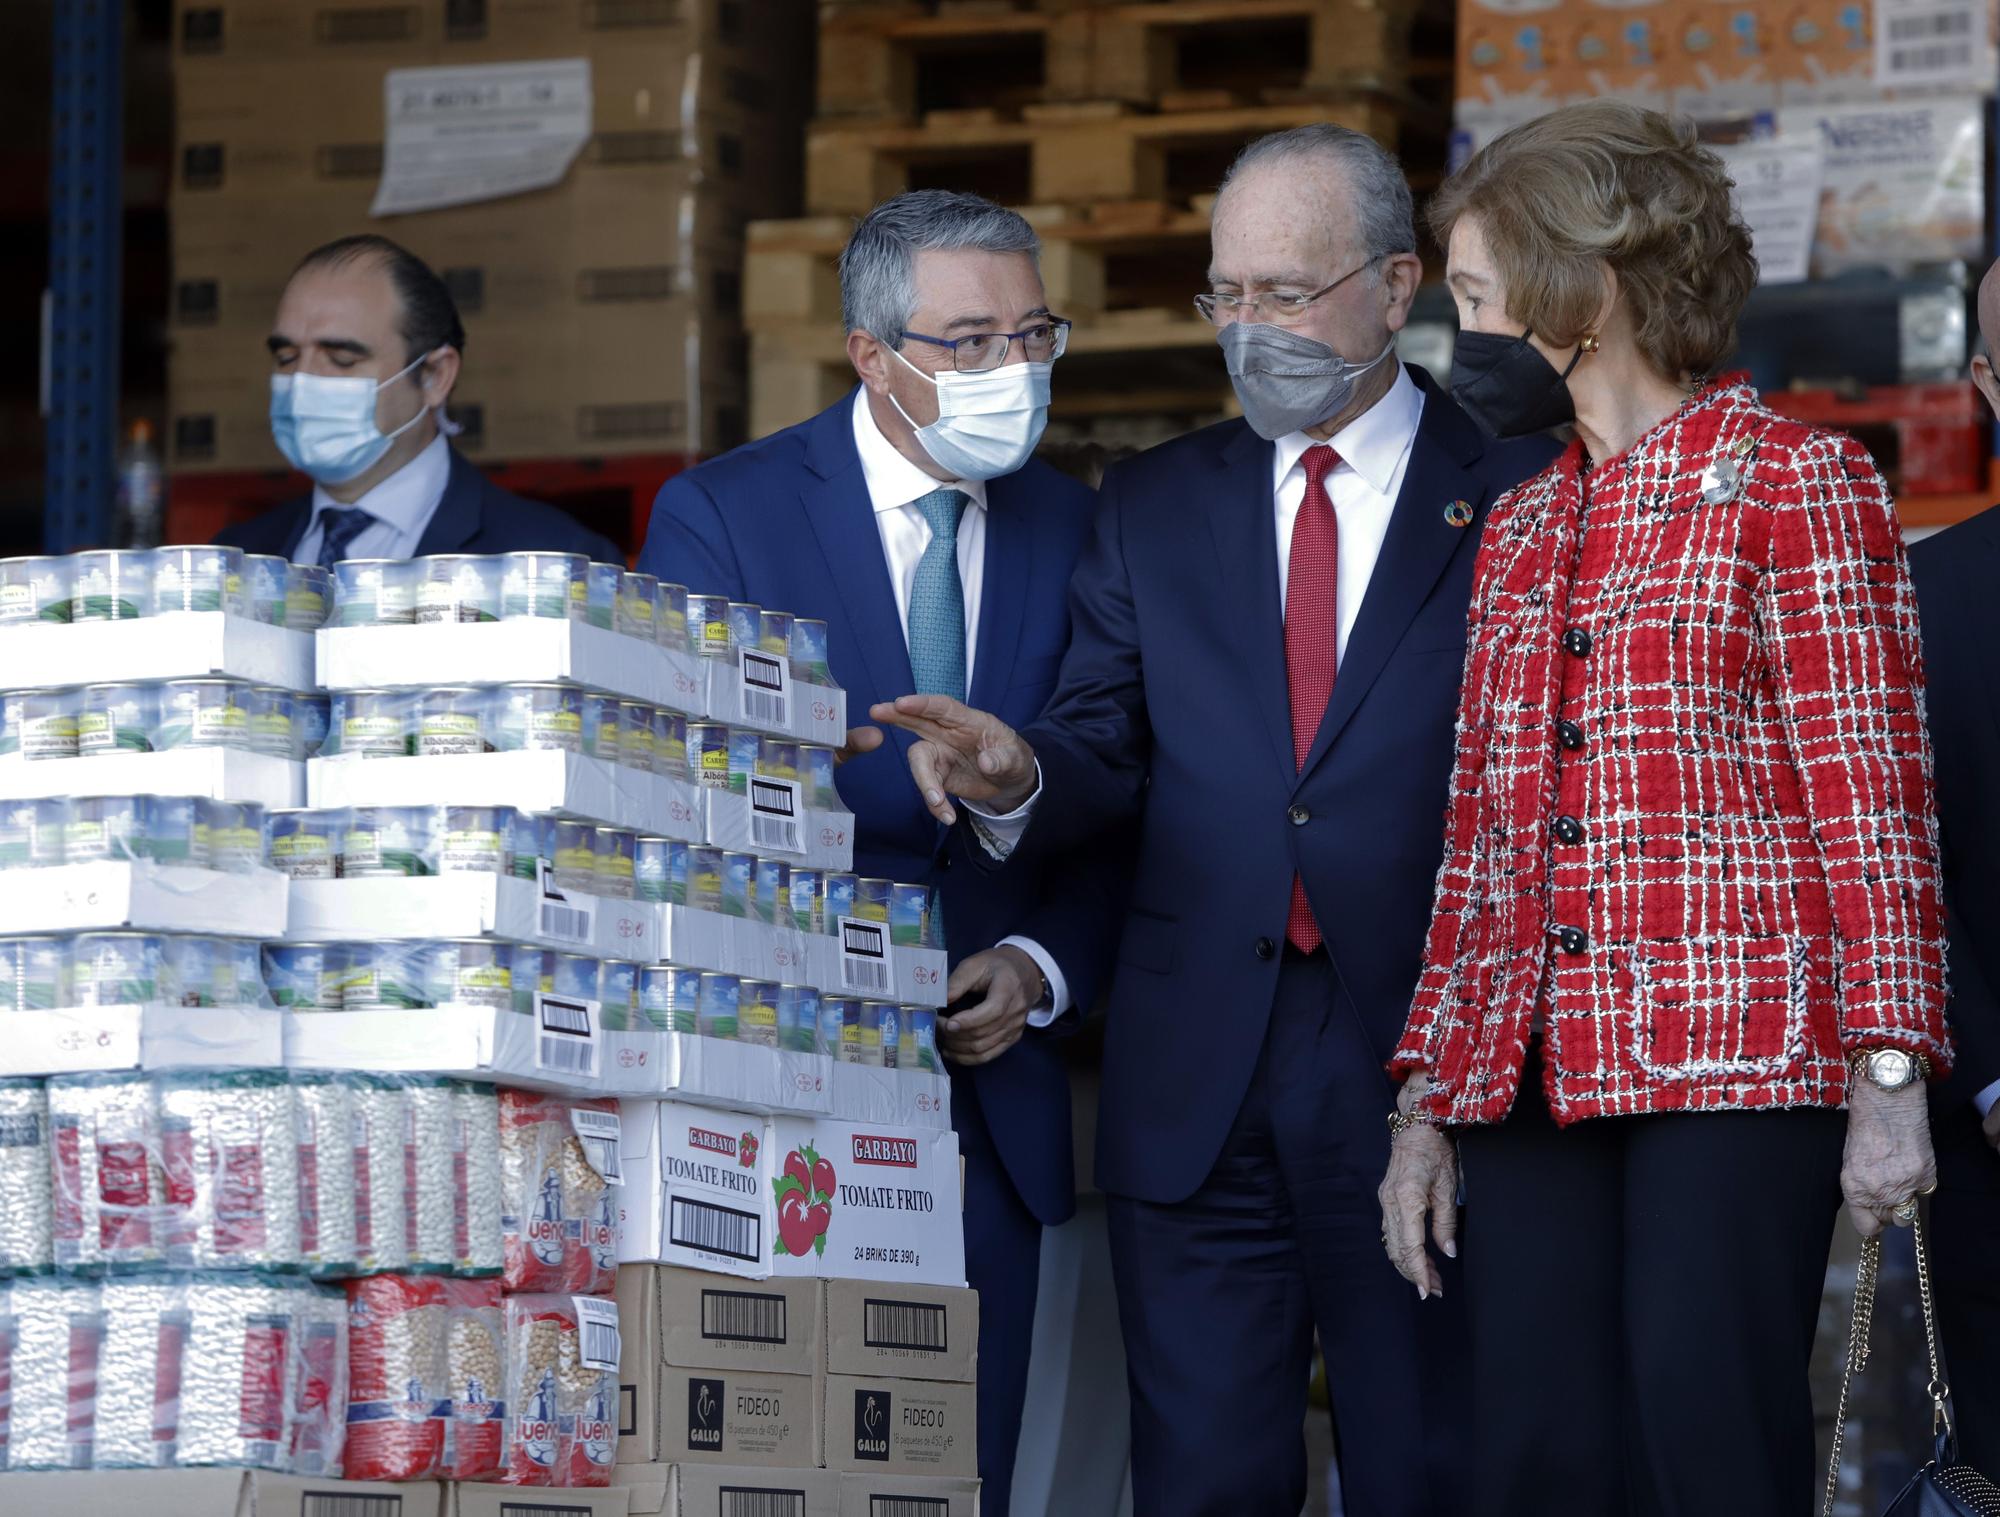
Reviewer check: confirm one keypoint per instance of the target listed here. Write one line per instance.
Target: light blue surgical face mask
(988, 423)
(325, 424)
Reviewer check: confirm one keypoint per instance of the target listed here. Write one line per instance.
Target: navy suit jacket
(1955, 572)
(787, 522)
(1173, 708)
(474, 516)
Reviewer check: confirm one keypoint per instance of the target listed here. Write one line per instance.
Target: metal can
(757, 1013)
(618, 996)
(116, 718)
(670, 616)
(369, 724)
(777, 758)
(468, 972)
(775, 634)
(909, 915)
(670, 743)
(605, 584)
(243, 959)
(534, 844)
(540, 717)
(834, 1012)
(475, 840)
(306, 976)
(204, 577)
(265, 576)
(35, 973)
(382, 976)
(861, 1034)
(919, 1046)
(459, 587)
(638, 598)
(739, 883)
(809, 651)
(189, 965)
(306, 843)
(892, 1035)
(798, 1018)
(203, 713)
(174, 830)
(35, 589)
(312, 715)
(871, 900)
(817, 766)
(837, 891)
(716, 1009)
(574, 976)
(308, 597)
(33, 832)
(575, 864)
(705, 872)
(808, 900)
(374, 592)
(708, 626)
(771, 893)
(744, 747)
(119, 968)
(534, 974)
(45, 723)
(636, 746)
(234, 833)
(660, 871)
(103, 827)
(746, 624)
(602, 723)
(454, 720)
(708, 753)
(272, 727)
(386, 841)
(111, 585)
(613, 865)
(547, 585)
(670, 997)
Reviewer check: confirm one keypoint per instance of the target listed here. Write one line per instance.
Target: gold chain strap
(1866, 1273)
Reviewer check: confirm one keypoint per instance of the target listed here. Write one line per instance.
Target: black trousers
(1642, 1294)
(1965, 1267)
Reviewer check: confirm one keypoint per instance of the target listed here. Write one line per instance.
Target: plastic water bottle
(141, 489)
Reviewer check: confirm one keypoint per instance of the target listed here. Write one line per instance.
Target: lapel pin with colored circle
(1459, 513)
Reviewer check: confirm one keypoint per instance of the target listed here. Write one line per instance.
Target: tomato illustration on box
(804, 1194)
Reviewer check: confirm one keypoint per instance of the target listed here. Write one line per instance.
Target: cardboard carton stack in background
(603, 313)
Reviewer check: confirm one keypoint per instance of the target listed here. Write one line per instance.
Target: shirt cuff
(1001, 835)
(1042, 1016)
(1984, 1100)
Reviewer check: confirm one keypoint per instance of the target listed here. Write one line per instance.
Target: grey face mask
(1287, 381)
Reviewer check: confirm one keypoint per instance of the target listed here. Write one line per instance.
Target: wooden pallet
(903, 64)
(1059, 154)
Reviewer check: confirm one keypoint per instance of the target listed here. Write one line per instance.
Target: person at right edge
(1955, 574)
(1690, 906)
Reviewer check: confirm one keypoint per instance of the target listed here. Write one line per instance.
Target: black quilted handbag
(1943, 1487)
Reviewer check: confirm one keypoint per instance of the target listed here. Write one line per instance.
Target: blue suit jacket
(787, 522)
(1173, 708)
(474, 516)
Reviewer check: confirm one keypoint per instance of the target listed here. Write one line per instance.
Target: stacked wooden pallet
(1108, 125)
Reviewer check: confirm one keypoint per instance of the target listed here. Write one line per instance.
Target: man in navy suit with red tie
(1263, 675)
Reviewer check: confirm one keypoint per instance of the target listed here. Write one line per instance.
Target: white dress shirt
(894, 486)
(402, 505)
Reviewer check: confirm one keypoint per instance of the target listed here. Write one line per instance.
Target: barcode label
(566, 1042)
(541, 1507)
(597, 1332)
(777, 822)
(766, 689)
(864, 956)
(904, 1325)
(1930, 42)
(742, 1316)
(340, 1504)
(561, 919)
(908, 1506)
(599, 1132)
(743, 1501)
(715, 1229)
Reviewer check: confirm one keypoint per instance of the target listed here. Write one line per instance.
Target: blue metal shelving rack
(86, 214)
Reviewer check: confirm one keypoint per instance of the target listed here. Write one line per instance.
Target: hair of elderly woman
(1602, 184)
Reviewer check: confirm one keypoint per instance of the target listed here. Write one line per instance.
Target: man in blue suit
(913, 518)
(365, 350)
(1269, 628)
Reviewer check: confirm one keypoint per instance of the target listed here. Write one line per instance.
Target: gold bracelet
(1399, 1120)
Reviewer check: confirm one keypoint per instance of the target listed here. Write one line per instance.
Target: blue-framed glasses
(1043, 342)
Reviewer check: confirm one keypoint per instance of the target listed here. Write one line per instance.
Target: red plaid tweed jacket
(1690, 834)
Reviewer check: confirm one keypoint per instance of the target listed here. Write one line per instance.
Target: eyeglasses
(1279, 307)
(1043, 342)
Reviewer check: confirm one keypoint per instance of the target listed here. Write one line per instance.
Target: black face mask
(1507, 387)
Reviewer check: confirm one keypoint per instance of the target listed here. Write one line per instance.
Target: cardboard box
(895, 1097)
(467, 906)
(221, 774)
(1826, 53)
(530, 780)
(901, 1427)
(469, 1500)
(177, 645)
(911, 1332)
(478, 1043)
(156, 1036)
(1511, 56)
(722, 1490)
(893, 1210)
(872, 1495)
(214, 1493)
(148, 897)
(860, 961)
(697, 1190)
(711, 1416)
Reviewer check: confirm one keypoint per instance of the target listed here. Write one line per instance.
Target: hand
(1422, 1178)
(860, 740)
(1991, 1126)
(1888, 1153)
(965, 752)
(980, 1034)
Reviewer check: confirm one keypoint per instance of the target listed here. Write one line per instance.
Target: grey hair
(1381, 195)
(878, 288)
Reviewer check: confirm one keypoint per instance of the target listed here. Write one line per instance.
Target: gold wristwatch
(1890, 1069)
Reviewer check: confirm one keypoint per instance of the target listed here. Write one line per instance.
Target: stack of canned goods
(723, 757)
(43, 971)
(719, 627)
(454, 720)
(491, 587)
(155, 716)
(166, 829)
(125, 584)
(408, 974)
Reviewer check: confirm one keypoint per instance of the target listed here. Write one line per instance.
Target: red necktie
(1312, 633)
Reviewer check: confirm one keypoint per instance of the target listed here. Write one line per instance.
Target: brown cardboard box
(720, 1490)
(709, 1416)
(212, 1493)
(470, 1500)
(870, 1495)
(915, 1332)
(902, 1427)
(697, 1320)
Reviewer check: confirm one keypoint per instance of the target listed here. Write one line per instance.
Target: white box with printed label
(697, 1188)
(865, 1201)
(899, 1097)
(859, 960)
(559, 1046)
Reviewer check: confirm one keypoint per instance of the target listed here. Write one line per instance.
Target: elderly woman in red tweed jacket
(1685, 976)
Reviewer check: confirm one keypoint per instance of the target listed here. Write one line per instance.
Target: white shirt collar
(407, 499)
(1373, 444)
(893, 481)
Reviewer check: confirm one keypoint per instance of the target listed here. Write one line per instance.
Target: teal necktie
(937, 601)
